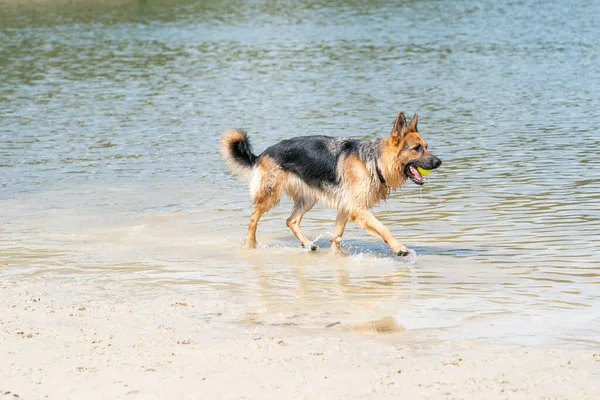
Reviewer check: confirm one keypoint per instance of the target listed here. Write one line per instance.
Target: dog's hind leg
(301, 207)
(254, 217)
(366, 220)
(265, 188)
(261, 206)
(340, 225)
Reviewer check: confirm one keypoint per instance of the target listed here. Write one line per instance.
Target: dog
(348, 175)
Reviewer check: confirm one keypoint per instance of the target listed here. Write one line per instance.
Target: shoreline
(75, 339)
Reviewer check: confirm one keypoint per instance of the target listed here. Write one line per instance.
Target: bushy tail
(237, 151)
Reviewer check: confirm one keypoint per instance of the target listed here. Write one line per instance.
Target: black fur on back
(315, 158)
(241, 151)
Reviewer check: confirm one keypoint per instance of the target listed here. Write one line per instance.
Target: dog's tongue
(416, 174)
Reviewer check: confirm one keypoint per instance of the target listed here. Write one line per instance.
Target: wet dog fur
(347, 175)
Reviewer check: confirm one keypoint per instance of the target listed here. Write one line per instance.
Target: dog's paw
(337, 252)
(402, 253)
(249, 244)
(311, 246)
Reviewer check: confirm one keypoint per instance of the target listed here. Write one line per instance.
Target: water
(111, 114)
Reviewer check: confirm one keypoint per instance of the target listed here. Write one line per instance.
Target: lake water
(111, 113)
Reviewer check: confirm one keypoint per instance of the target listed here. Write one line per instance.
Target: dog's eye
(417, 148)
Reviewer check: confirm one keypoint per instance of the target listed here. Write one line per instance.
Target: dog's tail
(237, 151)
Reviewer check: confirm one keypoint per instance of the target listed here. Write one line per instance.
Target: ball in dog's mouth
(413, 173)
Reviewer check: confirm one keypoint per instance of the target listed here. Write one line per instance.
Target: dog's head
(412, 151)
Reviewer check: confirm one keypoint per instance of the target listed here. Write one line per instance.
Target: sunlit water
(110, 119)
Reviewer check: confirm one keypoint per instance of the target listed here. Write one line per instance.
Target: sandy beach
(82, 339)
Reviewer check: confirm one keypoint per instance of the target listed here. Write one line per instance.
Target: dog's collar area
(380, 176)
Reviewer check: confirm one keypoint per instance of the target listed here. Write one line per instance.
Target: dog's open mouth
(413, 173)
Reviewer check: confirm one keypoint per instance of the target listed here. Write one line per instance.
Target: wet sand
(73, 339)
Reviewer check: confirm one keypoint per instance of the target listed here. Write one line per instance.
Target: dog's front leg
(366, 220)
(340, 225)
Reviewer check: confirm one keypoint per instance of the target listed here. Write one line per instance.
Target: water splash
(411, 258)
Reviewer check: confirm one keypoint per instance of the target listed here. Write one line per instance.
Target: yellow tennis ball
(423, 171)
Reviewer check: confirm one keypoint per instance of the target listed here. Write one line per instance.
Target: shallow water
(110, 119)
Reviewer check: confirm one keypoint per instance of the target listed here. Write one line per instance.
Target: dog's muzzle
(428, 163)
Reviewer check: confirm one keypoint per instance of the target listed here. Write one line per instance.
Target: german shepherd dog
(348, 175)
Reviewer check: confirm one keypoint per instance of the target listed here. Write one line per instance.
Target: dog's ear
(399, 128)
(413, 124)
